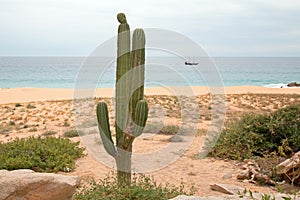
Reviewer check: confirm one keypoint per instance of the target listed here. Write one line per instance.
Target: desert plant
(142, 188)
(131, 110)
(48, 133)
(66, 124)
(169, 130)
(34, 129)
(4, 128)
(30, 106)
(72, 133)
(47, 154)
(261, 134)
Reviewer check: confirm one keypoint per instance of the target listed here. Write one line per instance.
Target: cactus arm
(138, 62)
(140, 118)
(104, 129)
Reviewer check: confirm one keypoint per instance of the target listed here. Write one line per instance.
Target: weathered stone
(183, 197)
(290, 168)
(245, 174)
(251, 173)
(227, 189)
(247, 196)
(293, 84)
(26, 184)
(227, 176)
(237, 193)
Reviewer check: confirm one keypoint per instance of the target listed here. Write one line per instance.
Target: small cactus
(131, 111)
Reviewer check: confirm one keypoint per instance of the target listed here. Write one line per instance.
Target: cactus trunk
(122, 84)
(131, 110)
(123, 161)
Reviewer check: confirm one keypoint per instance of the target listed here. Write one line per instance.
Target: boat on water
(190, 63)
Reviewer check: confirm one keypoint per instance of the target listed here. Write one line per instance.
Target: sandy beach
(16, 95)
(51, 110)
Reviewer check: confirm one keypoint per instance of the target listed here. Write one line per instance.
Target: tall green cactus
(131, 111)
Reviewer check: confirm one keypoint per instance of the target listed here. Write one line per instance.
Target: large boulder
(293, 84)
(26, 184)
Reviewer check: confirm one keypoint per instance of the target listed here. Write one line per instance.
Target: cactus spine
(131, 111)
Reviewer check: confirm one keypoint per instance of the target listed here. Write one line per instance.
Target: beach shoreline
(20, 95)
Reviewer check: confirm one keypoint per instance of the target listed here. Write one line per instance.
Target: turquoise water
(62, 72)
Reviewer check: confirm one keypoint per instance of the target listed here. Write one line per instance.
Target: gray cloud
(223, 28)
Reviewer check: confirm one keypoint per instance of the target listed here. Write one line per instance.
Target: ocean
(63, 72)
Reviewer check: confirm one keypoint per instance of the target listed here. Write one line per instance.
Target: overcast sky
(222, 27)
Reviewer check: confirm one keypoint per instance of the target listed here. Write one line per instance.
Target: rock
(251, 173)
(26, 184)
(227, 189)
(237, 193)
(290, 168)
(255, 195)
(293, 84)
(245, 174)
(227, 176)
(228, 197)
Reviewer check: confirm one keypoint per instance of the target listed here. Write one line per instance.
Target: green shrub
(48, 133)
(261, 134)
(141, 188)
(18, 105)
(30, 106)
(160, 128)
(169, 130)
(71, 133)
(40, 154)
(33, 129)
(66, 124)
(5, 128)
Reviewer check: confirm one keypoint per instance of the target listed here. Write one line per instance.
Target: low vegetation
(142, 188)
(250, 195)
(48, 133)
(47, 154)
(160, 128)
(18, 105)
(268, 139)
(30, 106)
(71, 133)
(261, 134)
